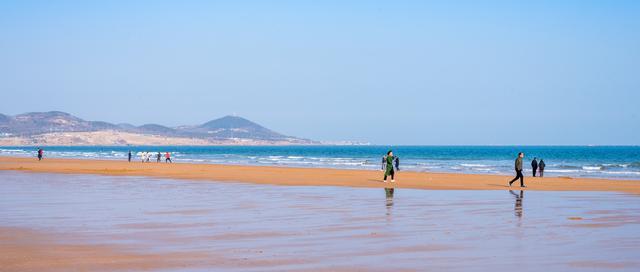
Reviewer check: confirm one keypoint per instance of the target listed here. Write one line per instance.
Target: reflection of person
(389, 193)
(518, 167)
(541, 166)
(518, 206)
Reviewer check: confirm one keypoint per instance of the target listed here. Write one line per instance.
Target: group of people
(535, 165)
(146, 157)
(538, 166)
(391, 164)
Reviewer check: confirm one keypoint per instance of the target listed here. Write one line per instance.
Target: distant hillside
(235, 127)
(34, 123)
(34, 127)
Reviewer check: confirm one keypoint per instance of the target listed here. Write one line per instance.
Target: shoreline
(291, 176)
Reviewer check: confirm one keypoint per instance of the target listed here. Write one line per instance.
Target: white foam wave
(473, 165)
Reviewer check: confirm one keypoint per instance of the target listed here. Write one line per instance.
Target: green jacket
(519, 164)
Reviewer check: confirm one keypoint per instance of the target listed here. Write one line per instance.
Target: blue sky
(387, 72)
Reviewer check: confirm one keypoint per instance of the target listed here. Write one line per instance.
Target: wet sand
(55, 222)
(22, 249)
(312, 176)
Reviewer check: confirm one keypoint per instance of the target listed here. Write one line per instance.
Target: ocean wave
(622, 172)
(13, 150)
(560, 171)
(565, 166)
(473, 165)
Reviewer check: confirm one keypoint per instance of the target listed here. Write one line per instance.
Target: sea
(617, 162)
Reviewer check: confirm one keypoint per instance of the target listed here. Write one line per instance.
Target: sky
(384, 72)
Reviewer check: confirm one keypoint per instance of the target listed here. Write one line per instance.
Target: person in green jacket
(518, 167)
(389, 162)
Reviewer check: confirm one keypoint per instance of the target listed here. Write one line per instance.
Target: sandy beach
(311, 176)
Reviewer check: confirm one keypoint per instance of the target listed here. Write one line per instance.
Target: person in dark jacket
(518, 168)
(390, 164)
(541, 166)
(129, 155)
(40, 154)
(158, 157)
(534, 166)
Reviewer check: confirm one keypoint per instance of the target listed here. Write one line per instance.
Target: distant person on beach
(159, 156)
(167, 157)
(129, 155)
(541, 166)
(143, 156)
(40, 154)
(518, 168)
(534, 166)
(390, 164)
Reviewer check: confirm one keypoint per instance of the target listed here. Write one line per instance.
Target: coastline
(291, 176)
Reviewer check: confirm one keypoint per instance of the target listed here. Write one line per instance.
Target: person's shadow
(518, 206)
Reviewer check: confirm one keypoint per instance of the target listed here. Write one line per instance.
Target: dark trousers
(168, 160)
(390, 172)
(518, 176)
(535, 169)
(541, 172)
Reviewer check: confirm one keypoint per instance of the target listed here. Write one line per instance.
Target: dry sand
(311, 176)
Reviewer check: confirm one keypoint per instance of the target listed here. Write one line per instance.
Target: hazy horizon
(389, 73)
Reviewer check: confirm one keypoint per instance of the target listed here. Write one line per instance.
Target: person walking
(167, 157)
(390, 164)
(518, 168)
(159, 156)
(143, 156)
(40, 154)
(129, 155)
(534, 166)
(541, 166)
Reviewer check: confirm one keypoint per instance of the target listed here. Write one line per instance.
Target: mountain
(156, 129)
(54, 121)
(235, 127)
(50, 127)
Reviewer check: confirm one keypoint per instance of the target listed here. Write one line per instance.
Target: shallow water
(315, 228)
